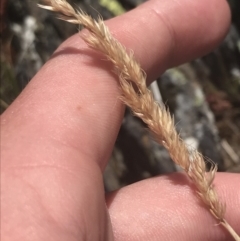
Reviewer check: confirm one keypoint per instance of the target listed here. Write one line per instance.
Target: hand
(58, 135)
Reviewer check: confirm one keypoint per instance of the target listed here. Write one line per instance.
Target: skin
(58, 135)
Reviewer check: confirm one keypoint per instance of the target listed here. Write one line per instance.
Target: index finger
(72, 103)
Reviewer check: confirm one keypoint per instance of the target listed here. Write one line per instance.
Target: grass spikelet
(136, 95)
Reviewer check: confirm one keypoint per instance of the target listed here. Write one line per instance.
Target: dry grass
(136, 95)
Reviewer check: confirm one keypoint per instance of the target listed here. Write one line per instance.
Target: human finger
(73, 103)
(167, 208)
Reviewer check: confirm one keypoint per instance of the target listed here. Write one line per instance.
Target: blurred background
(203, 95)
